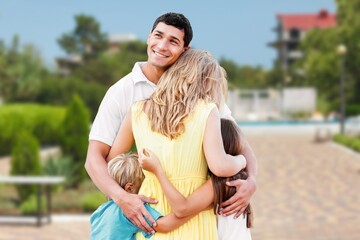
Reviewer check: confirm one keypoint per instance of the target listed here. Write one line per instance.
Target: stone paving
(306, 190)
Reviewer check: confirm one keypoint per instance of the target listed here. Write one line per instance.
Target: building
(292, 28)
(271, 104)
(116, 39)
(65, 65)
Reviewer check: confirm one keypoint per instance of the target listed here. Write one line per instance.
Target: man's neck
(152, 73)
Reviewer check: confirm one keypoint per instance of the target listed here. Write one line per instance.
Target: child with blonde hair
(108, 221)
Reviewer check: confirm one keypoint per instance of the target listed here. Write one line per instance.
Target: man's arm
(96, 166)
(244, 188)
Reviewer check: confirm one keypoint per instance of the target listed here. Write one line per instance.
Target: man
(169, 38)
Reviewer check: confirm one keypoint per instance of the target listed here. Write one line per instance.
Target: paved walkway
(306, 190)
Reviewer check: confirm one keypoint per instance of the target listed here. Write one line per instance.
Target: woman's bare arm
(220, 163)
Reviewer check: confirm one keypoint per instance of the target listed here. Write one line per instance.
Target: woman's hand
(149, 161)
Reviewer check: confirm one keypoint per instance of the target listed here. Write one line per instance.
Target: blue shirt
(109, 222)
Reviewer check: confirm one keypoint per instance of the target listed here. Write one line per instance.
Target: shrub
(40, 120)
(91, 201)
(61, 166)
(75, 131)
(25, 161)
(350, 142)
(29, 207)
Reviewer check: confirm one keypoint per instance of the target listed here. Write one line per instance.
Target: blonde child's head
(126, 170)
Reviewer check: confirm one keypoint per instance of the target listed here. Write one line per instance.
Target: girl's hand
(149, 161)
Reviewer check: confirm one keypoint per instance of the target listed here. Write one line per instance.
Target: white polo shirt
(118, 100)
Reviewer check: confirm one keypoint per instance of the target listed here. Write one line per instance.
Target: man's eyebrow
(172, 37)
(175, 38)
(158, 31)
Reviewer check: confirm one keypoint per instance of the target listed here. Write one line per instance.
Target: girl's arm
(181, 206)
(170, 222)
(220, 163)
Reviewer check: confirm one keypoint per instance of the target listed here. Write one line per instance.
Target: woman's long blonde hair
(195, 76)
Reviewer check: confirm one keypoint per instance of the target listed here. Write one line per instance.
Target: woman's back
(184, 163)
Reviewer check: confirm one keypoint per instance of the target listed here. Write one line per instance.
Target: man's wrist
(252, 179)
(119, 197)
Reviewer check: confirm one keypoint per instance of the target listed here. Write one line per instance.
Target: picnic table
(42, 182)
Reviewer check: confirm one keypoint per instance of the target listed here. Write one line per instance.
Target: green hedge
(43, 121)
(350, 142)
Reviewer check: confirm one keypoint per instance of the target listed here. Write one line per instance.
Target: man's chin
(161, 65)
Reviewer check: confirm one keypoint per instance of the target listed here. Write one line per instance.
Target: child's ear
(129, 187)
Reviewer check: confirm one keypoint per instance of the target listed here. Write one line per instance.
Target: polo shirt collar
(139, 75)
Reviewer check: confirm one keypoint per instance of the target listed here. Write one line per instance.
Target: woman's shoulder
(138, 105)
(202, 110)
(206, 106)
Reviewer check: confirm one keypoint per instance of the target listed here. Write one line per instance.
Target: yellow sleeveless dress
(185, 165)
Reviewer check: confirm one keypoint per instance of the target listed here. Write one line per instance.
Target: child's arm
(199, 200)
(170, 222)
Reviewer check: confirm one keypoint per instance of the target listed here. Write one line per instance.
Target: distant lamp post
(341, 51)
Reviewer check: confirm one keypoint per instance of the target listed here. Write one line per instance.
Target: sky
(237, 30)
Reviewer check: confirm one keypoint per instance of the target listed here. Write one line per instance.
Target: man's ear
(186, 48)
(129, 187)
(147, 40)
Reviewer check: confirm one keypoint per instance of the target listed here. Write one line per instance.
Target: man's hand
(241, 199)
(133, 208)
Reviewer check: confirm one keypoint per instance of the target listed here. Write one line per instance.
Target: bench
(40, 181)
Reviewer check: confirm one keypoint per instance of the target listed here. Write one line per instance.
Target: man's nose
(163, 44)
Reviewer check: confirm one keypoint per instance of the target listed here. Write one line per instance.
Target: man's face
(165, 45)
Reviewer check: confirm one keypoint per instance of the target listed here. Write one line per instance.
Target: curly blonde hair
(195, 76)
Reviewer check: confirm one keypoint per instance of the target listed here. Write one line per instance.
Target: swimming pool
(286, 123)
(288, 127)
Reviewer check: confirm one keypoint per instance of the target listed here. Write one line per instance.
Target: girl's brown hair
(231, 135)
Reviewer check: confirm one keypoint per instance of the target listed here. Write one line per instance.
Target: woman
(180, 123)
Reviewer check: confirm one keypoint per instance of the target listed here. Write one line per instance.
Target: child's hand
(149, 161)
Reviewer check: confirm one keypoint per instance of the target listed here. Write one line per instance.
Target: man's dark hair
(179, 21)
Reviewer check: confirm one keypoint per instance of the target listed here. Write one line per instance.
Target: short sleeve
(155, 214)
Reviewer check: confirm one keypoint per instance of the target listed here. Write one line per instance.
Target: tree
(320, 63)
(348, 20)
(25, 161)
(21, 71)
(85, 40)
(244, 76)
(108, 68)
(75, 133)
